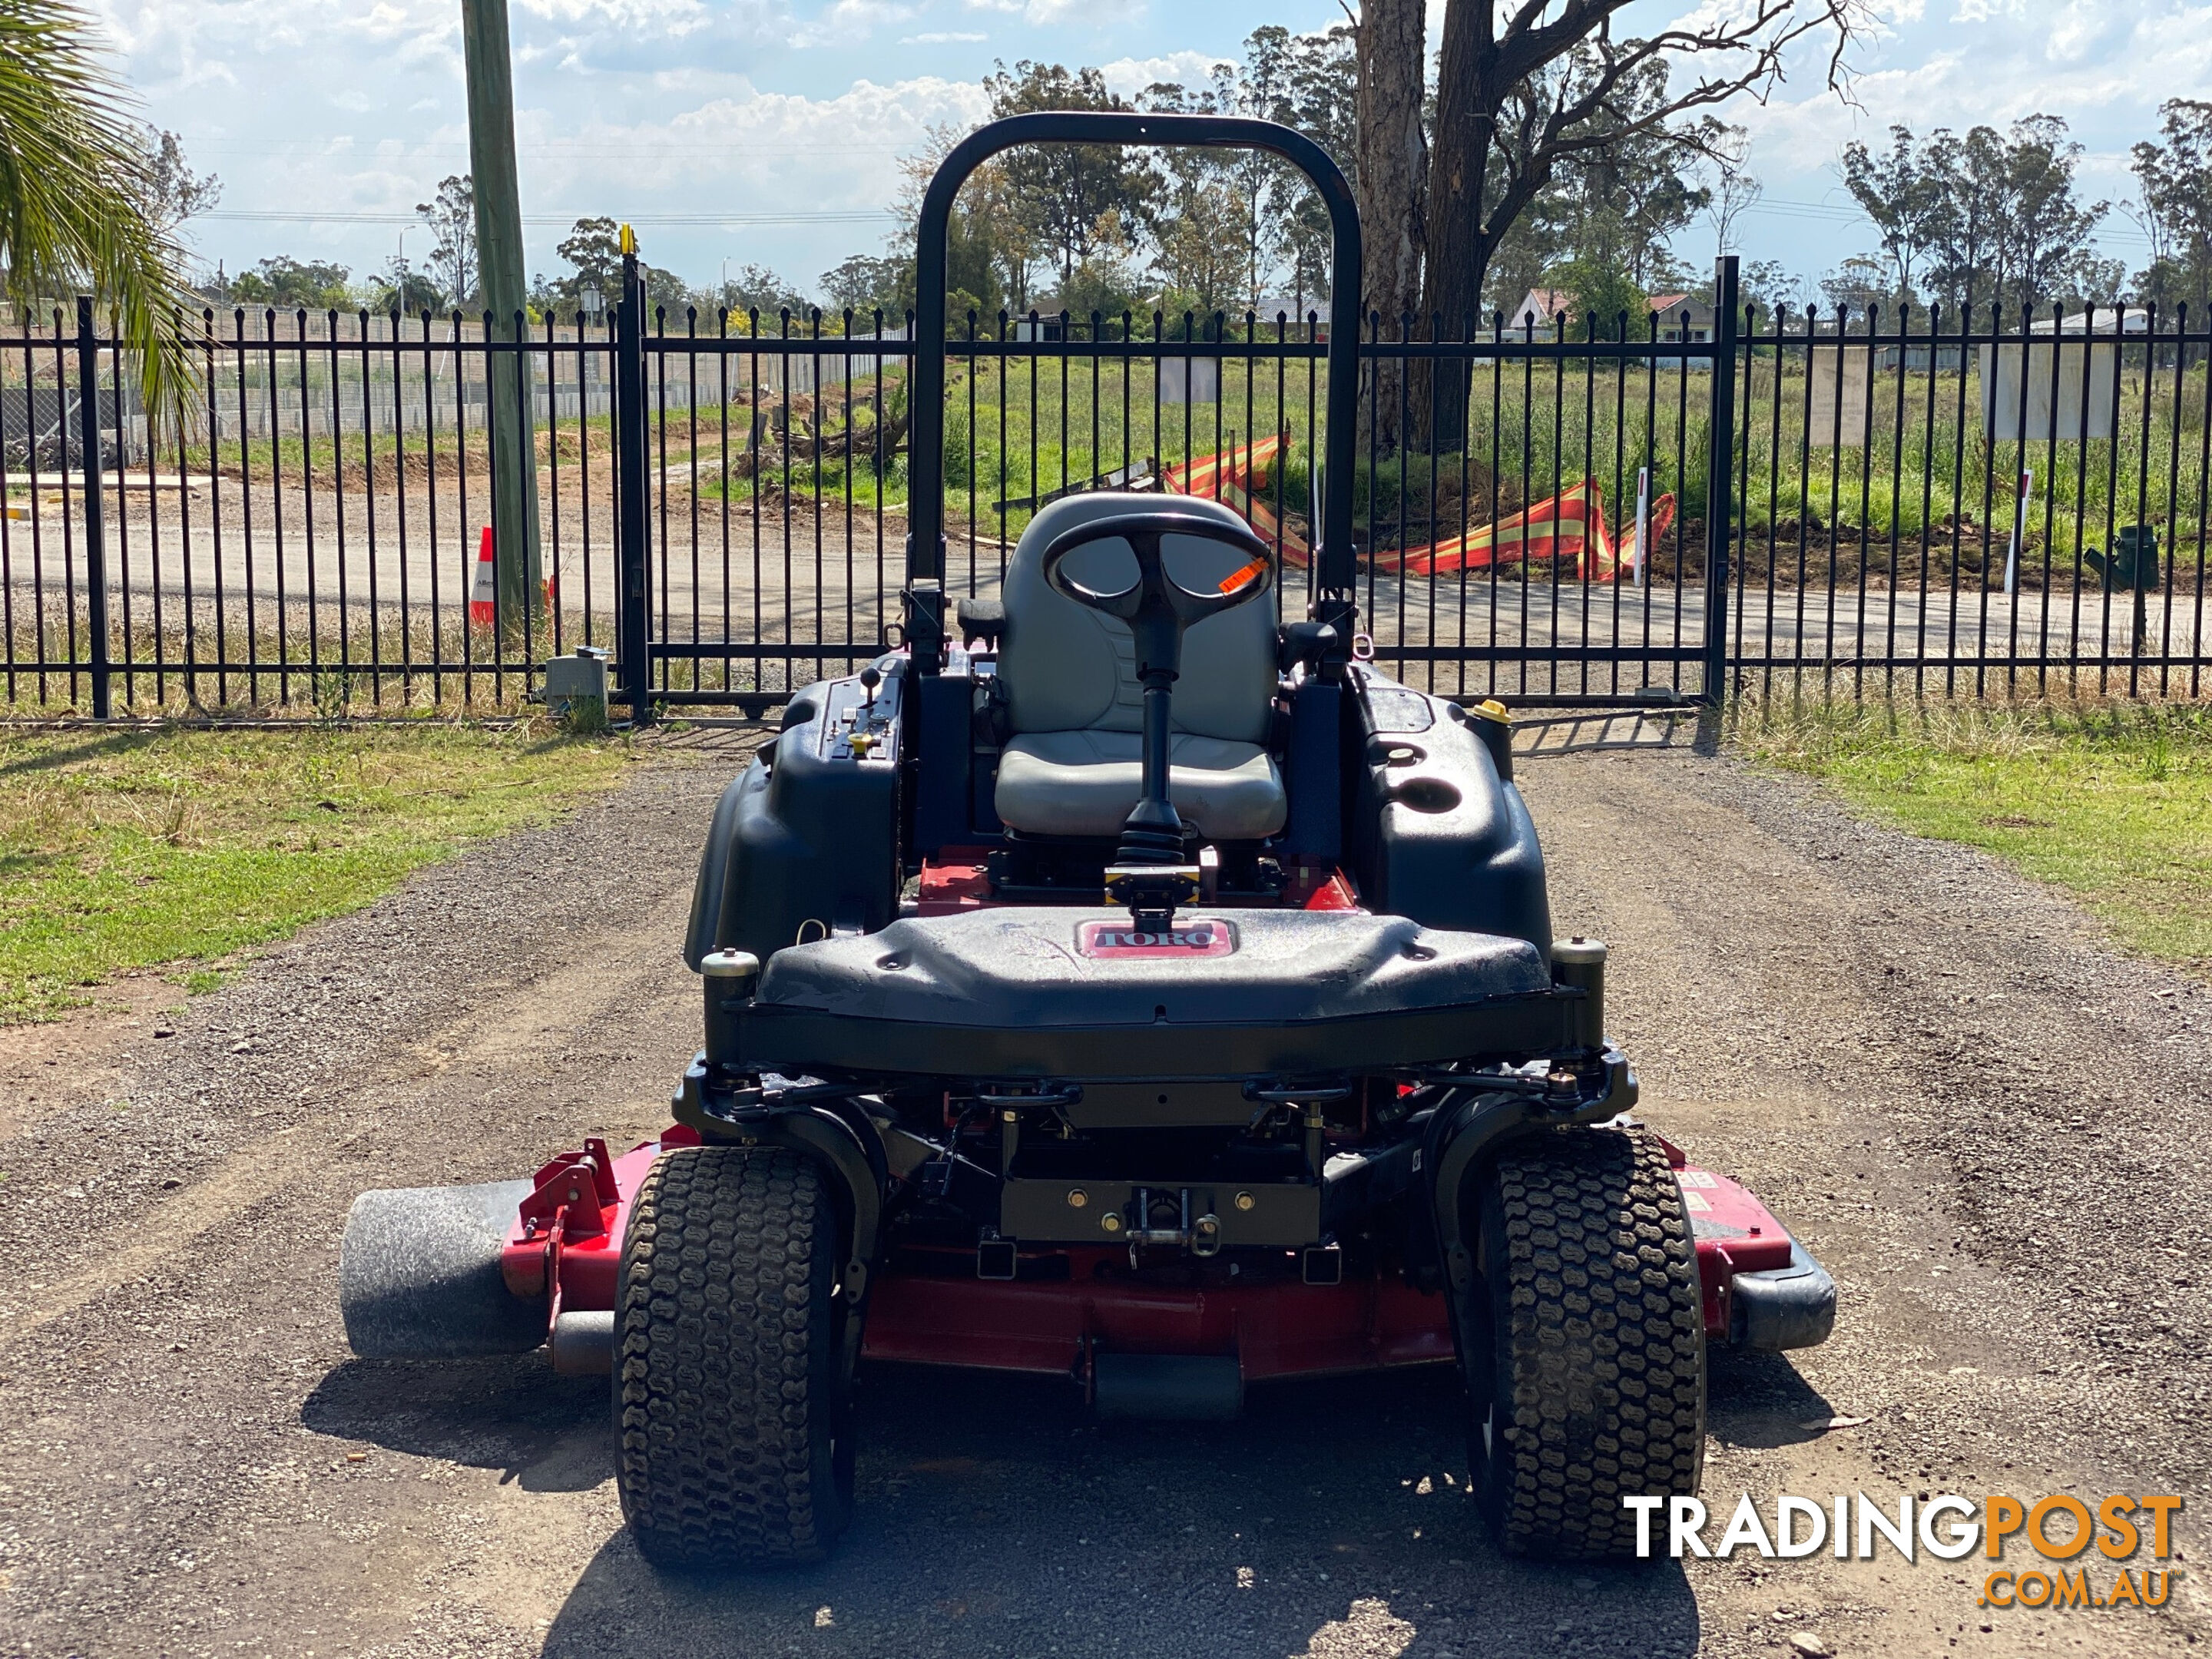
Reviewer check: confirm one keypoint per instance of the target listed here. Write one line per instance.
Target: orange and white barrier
(483, 591)
(1570, 525)
(483, 588)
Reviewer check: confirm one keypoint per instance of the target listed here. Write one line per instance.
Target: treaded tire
(730, 1396)
(1584, 1350)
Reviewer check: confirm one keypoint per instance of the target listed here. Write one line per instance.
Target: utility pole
(500, 264)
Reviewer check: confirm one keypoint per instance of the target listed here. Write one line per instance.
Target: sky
(768, 131)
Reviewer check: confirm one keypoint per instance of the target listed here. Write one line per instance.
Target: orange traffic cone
(483, 606)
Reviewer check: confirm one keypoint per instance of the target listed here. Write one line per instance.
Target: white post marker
(2019, 529)
(1643, 520)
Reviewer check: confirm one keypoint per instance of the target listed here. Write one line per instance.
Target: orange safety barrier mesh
(1571, 525)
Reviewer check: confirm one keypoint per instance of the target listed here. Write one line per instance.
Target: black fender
(1465, 1133)
(1436, 830)
(826, 1137)
(820, 1121)
(805, 840)
(1466, 1126)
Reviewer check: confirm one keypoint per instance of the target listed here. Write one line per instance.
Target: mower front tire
(1584, 1347)
(730, 1396)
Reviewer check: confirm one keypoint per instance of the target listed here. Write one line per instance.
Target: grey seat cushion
(1084, 783)
(1070, 679)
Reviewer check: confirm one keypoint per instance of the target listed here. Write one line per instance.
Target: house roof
(2101, 319)
(1667, 301)
(1544, 303)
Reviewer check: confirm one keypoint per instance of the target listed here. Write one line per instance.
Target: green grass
(2113, 805)
(177, 849)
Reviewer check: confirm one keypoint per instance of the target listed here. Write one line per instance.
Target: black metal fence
(1967, 503)
(1554, 512)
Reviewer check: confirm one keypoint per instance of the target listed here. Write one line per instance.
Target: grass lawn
(2113, 805)
(173, 848)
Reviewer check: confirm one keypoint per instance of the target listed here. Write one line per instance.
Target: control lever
(862, 739)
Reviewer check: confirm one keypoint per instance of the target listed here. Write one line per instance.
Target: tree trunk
(1459, 245)
(1392, 163)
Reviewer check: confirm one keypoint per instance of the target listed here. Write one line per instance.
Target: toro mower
(1119, 984)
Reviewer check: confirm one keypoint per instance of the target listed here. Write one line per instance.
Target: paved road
(1990, 1125)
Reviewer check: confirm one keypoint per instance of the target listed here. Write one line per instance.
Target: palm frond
(73, 217)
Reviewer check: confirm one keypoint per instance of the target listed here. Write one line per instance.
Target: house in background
(1544, 305)
(1285, 308)
(1681, 319)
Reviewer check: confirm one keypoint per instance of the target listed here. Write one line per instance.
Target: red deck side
(1276, 1329)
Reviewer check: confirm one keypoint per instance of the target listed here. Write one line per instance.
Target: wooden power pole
(500, 264)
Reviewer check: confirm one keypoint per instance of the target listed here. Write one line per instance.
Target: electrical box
(581, 674)
(2062, 389)
(1842, 380)
(1190, 379)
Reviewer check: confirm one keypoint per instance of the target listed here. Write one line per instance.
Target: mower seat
(1076, 707)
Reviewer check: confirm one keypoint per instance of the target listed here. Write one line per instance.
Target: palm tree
(73, 212)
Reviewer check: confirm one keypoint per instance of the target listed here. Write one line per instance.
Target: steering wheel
(1149, 873)
(1156, 597)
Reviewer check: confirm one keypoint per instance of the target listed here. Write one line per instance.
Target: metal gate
(1529, 509)
(1703, 501)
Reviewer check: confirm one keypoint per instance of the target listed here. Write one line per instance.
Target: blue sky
(769, 130)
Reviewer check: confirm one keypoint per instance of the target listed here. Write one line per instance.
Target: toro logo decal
(1198, 937)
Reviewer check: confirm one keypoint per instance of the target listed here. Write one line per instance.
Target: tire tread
(725, 1365)
(1598, 1322)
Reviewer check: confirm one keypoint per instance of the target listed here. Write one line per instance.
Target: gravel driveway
(1991, 1126)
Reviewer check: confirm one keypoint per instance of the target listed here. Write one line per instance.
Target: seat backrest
(1068, 668)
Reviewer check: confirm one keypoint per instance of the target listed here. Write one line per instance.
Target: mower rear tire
(1584, 1345)
(732, 1400)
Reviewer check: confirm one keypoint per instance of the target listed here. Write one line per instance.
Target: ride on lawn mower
(1119, 985)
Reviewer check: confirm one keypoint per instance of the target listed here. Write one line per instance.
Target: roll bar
(1333, 563)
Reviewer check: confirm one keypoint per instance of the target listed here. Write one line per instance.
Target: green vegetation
(131, 850)
(2112, 804)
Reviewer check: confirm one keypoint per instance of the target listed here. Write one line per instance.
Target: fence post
(1720, 481)
(96, 528)
(631, 645)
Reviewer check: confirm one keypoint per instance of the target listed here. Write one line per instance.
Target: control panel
(861, 721)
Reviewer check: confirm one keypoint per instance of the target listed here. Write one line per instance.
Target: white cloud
(849, 23)
(1041, 14)
(1129, 76)
(677, 17)
(2079, 29)
(688, 106)
(1988, 62)
(812, 152)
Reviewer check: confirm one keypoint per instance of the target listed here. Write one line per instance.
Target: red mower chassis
(1761, 1290)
